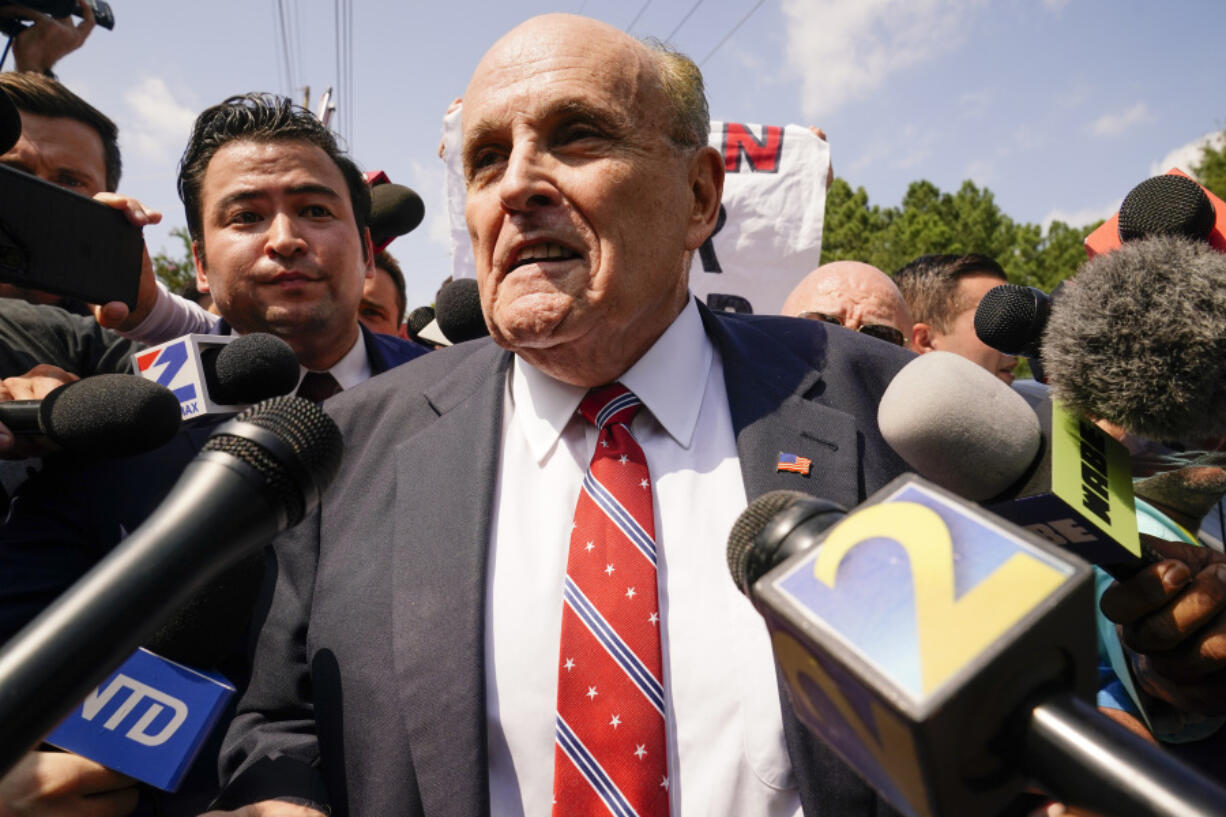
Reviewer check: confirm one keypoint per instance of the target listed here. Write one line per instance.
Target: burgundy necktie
(610, 753)
(318, 386)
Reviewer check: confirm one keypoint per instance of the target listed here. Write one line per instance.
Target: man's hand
(268, 808)
(59, 784)
(41, 46)
(33, 385)
(1173, 620)
(116, 315)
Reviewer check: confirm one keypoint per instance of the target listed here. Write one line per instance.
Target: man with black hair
(943, 292)
(384, 299)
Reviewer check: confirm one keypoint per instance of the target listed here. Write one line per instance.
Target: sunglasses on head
(874, 330)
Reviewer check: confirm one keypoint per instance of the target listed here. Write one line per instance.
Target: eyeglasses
(874, 330)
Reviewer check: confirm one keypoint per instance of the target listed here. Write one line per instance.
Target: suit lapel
(445, 477)
(768, 387)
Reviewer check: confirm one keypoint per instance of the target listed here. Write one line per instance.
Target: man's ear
(368, 254)
(922, 338)
(706, 179)
(202, 282)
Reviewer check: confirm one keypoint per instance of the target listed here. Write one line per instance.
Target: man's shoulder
(390, 351)
(831, 349)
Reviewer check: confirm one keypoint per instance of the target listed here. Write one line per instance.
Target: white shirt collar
(352, 369)
(670, 379)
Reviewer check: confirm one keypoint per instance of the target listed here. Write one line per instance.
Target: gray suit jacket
(368, 687)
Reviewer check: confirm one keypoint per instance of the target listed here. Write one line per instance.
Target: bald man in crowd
(855, 295)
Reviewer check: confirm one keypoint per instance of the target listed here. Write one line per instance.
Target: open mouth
(545, 251)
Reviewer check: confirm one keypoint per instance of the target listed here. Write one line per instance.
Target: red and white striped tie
(610, 753)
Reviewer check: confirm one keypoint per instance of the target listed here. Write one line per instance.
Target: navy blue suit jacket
(368, 691)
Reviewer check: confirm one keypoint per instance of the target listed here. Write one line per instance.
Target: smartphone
(62, 242)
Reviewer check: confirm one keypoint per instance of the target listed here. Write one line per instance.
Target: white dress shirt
(350, 370)
(725, 732)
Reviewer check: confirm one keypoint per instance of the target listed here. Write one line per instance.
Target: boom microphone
(1011, 318)
(258, 475)
(1139, 339)
(951, 677)
(394, 211)
(107, 415)
(458, 310)
(1044, 469)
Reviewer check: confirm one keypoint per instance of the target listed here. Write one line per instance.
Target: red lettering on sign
(761, 154)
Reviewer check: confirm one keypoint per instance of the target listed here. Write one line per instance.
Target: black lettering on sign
(707, 251)
(762, 155)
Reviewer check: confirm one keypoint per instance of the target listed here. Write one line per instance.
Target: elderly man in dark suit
(513, 599)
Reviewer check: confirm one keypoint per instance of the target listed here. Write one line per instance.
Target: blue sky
(1059, 106)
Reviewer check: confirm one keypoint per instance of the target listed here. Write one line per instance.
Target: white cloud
(157, 125)
(981, 171)
(1082, 217)
(843, 50)
(1114, 124)
(1055, 5)
(1184, 156)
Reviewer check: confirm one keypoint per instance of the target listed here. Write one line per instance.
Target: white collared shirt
(725, 732)
(349, 371)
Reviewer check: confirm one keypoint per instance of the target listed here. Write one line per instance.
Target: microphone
(1166, 205)
(1011, 318)
(221, 374)
(107, 415)
(1163, 205)
(947, 656)
(1139, 339)
(10, 123)
(394, 211)
(458, 311)
(257, 475)
(1045, 469)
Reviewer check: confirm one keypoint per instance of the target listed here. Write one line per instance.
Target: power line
(630, 27)
(757, 6)
(687, 16)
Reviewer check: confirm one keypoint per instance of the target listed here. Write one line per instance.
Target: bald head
(857, 294)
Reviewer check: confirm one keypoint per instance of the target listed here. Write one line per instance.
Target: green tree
(1210, 171)
(928, 221)
(176, 271)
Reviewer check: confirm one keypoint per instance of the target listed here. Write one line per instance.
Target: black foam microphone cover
(419, 318)
(252, 368)
(108, 415)
(458, 311)
(10, 123)
(394, 211)
(1166, 205)
(1011, 319)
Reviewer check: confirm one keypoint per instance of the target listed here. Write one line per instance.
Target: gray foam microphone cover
(958, 425)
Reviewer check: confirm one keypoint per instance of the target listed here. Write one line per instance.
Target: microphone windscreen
(458, 311)
(110, 415)
(291, 443)
(252, 368)
(958, 425)
(419, 318)
(1010, 318)
(10, 123)
(1139, 339)
(1166, 205)
(394, 211)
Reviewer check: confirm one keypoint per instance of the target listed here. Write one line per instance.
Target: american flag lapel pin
(794, 464)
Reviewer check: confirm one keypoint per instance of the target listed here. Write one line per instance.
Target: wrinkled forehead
(531, 72)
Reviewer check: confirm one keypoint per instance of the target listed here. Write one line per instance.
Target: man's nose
(284, 238)
(528, 181)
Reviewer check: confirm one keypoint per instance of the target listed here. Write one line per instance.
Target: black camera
(103, 15)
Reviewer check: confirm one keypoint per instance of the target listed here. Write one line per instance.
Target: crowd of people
(513, 598)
